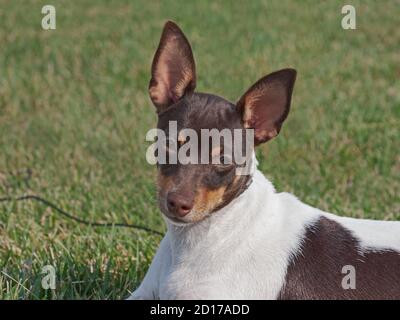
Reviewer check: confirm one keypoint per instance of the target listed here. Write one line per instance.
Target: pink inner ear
(173, 70)
(266, 104)
(159, 93)
(264, 108)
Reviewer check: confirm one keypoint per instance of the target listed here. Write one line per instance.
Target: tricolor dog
(233, 236)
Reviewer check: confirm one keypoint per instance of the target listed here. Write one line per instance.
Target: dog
(233, 236)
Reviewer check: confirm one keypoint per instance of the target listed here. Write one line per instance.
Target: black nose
(180, 203)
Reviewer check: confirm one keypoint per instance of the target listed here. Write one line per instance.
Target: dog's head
(189, 192)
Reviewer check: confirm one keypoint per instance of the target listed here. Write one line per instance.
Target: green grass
(74, 112)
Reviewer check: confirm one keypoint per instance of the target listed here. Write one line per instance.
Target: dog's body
(268, 245)
(232, 236)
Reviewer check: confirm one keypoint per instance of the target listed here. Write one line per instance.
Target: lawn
(74, 112)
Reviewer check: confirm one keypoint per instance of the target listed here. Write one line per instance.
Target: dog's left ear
(266, 104)
(173, 72)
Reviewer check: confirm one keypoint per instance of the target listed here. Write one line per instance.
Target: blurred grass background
(74, 112)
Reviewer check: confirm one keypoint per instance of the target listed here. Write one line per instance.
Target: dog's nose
(180, 203)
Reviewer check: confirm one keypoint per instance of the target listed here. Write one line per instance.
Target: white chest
(249, 263)
(229, 275)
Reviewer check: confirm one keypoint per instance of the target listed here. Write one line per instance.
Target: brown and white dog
(233, 236)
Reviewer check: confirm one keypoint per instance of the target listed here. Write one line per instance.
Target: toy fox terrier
(233, 236)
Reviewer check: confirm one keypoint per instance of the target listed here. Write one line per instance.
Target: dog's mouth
(185, 221)
(176, 221)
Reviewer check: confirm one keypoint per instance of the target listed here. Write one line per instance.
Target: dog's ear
(173, 72)
(266, 104)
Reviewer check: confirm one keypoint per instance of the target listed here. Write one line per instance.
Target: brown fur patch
(316, 272)
(164, 183)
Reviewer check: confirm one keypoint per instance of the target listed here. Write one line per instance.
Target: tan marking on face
(236, 180)
(206, 201)
(234, 186)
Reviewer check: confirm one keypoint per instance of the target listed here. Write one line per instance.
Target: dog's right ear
(173, 72)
